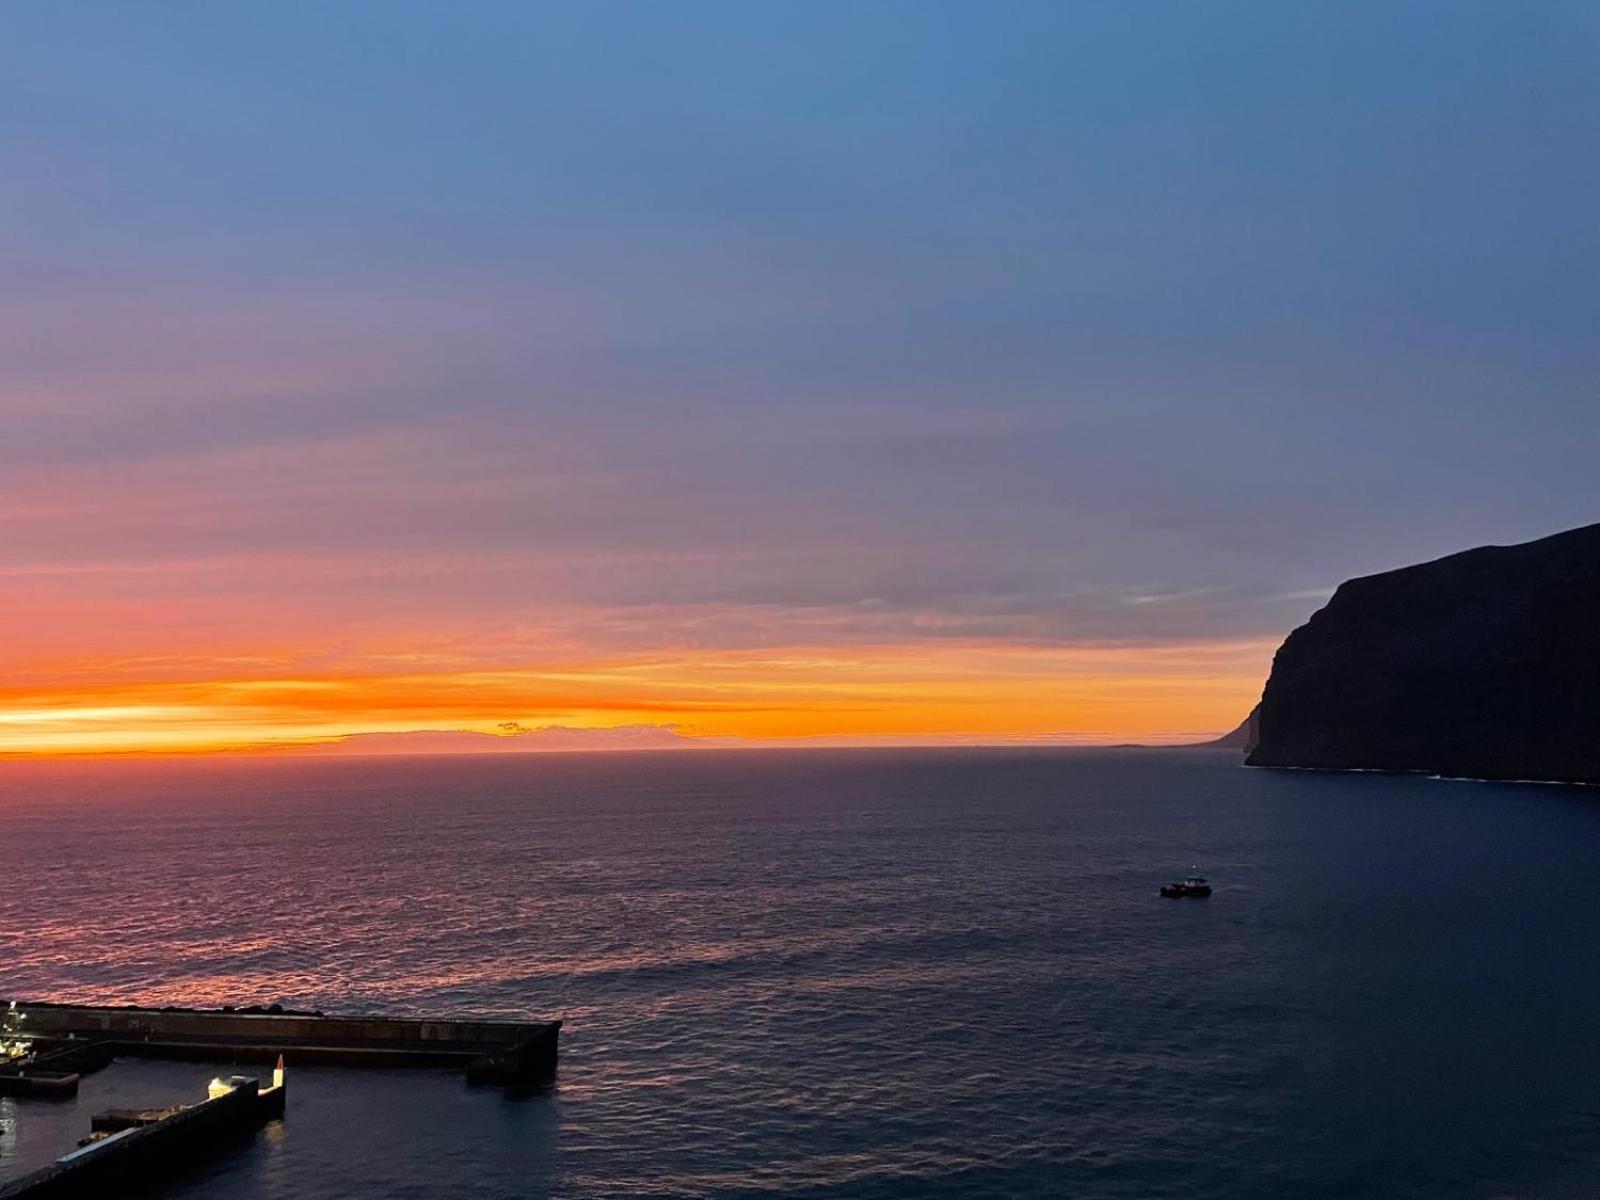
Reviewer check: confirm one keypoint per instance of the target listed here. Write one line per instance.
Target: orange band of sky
(954, 692)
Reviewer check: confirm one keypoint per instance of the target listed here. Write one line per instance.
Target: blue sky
(1056, 324)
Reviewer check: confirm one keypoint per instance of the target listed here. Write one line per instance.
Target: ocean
(896, 974)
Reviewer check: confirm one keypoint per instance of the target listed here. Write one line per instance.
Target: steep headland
(1485, 664)
(1242, 737)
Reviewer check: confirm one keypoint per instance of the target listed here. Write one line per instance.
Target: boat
(1193, 886)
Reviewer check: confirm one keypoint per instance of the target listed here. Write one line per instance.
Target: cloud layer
(362, 345)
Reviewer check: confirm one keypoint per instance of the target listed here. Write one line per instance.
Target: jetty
(129, 1147)
(71, 1038)
(53, 1070)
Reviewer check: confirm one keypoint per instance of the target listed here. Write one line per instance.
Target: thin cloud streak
(880, 693)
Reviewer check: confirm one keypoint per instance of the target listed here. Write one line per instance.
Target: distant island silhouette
(1481, 665)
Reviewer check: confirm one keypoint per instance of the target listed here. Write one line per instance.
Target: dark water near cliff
(860, 974)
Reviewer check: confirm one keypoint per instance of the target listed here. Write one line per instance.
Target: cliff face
(1243, 737)
(1485, 664)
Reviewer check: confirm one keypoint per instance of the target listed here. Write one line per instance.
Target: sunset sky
(756, 371)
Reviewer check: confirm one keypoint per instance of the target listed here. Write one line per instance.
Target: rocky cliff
(1243, 737)
(1485, 664)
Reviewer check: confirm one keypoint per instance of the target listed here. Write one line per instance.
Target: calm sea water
(863, 974)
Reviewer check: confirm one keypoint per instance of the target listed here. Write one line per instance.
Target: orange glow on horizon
(959, 691)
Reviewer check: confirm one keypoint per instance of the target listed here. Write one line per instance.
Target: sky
(751, 372)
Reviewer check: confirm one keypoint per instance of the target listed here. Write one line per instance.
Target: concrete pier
(141, 1151)
(21, 1080)
(53, 1068)
(489, 1051)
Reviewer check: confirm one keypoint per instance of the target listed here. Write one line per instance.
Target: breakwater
(139, 1151)
(487, 1051)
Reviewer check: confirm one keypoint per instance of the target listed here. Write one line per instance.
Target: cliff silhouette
(1484, 665)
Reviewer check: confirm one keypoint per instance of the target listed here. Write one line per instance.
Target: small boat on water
(1193, 886)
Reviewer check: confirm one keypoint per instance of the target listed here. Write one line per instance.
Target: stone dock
(142, 1147)
(487, 1051)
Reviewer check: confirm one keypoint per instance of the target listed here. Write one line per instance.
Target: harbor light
(14, 1043)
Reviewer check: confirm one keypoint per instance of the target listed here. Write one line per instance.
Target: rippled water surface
(873, 974)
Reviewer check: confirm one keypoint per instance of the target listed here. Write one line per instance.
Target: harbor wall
(135, 1023)
(492, 1051)
(150, 1150)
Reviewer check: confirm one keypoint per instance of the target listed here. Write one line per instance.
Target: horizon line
(479, 744)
